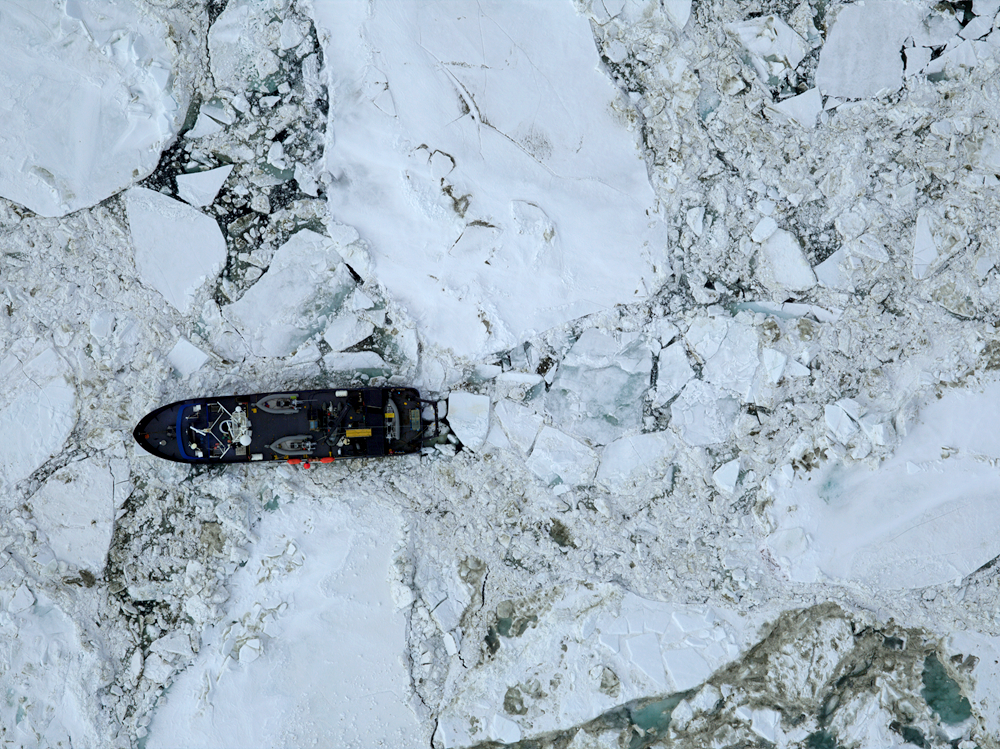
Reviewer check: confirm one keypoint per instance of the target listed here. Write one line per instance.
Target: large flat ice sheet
(86, 100)
(927, 516)
(475, 148)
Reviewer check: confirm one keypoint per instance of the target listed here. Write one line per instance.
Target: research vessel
(302, 426)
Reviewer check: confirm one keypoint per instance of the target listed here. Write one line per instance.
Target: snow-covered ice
(90, 94)
(177, 249)
(924, 518)
(713, 291)
(304, 288)
(429, 101)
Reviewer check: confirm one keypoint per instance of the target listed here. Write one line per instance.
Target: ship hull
(288, 426)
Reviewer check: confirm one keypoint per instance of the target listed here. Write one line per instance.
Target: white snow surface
(309, 651)
(177, 249)
(923, 518)
(88, 100)
(429, 102)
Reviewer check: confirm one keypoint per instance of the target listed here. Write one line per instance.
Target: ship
(296, 427)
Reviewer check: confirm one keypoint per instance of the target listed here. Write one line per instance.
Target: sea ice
(861, 56)
(310, 623)
(39, 410)
(785, 267)
(520, 423)
(672, 373)
(469, 418)
(703, 414)
(726, 476)
(636, 458)
(728, 350)
(75, 509)
(921, 519)
(186, 358)
(200, 188)
(803, 109)
(599, 389)
(558, 458)
(176, 247)
(304, 287)
(427, 100)
(925, 249)
(345, 331)
(773, 45)
(89, 99)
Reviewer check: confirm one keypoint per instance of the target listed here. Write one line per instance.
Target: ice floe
(442, 109)
(557, 458)
(597, 392)
(176, 247)
(469, 418)
(39, 408)
(90, 98)
(200, 188)
(302, 292)
(924, 518)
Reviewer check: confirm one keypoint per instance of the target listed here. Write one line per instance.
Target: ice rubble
(176, 247)
(92, 91)
(479, 255)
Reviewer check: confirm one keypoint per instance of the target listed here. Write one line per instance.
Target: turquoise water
(943, 694)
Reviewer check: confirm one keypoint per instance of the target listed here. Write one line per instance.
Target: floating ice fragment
(636, 458)
(773, 363)
(291, 35)
(695, 219)
(773, 45)
(305, 285)
(38, 412)
(598, 390)
(79, 532)
(679, 11)
(186, 358)
(925, 249)
(22, 600)
(764, 229)
(787, 267)
(347, 331)
(200, 188)
(861, 56)
(839, 423)
(520, 423)
(703, 414)
(803, 109)
(469, 418)
(726, 476)
(176, 247)
(504, 730)
(672, 374)
(557, 457)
